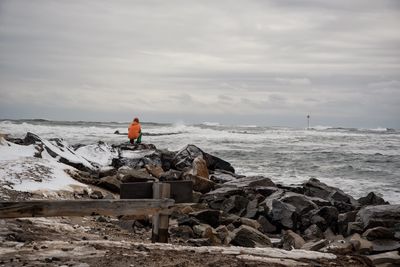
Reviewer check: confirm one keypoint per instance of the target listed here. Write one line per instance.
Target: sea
(358, 161)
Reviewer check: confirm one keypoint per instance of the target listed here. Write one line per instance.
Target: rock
(246, 236)
(235, 204)
(200, 184)
(134, 176)
(266, 226)
(378, 233)
(155, 171)
(189, 221)
(380, 215)
(360, 245)
(215, 163)
(224, 234)
(31, 138)
(252, 223)
(227, 218)
(171, 175)
(62, 152)
(291, 240)
(344, 219)
(199, 242)
(221, 176)
(283, 214)
(313, 232)
(330, 215)
(96, 195)
(315, 245)
(384, 245)
(251, 209)
(166, 159)
(184, 158)
(206, 231)
(371, 199)
(250, 181)
(266, 191)
(210, 217)
(330, 235)
(341, 247)
(111, 183)
(107, 171)
(315, 188)
(392, 257)
(302, 203)
(196, 197)
(186, 210)
(199, 168)
(325, 217)
(354, 228)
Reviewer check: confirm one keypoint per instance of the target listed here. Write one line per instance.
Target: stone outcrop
(380, 215)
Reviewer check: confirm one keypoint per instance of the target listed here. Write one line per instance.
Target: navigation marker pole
(308, 122)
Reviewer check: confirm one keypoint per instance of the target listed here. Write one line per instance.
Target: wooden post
(164, 218)
(156, 216)
(160, 220)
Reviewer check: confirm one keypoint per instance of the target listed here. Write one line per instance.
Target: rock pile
(244, 211)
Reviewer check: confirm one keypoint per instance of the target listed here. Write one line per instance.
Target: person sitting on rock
(135, 132)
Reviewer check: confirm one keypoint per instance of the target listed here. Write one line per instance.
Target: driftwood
(49, 208)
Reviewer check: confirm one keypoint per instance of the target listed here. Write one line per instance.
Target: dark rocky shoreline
(233, 209)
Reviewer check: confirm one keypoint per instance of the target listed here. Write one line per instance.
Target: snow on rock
(20, 171)
(136, 154)
(60, 150)
(11, 151)
(100, 153)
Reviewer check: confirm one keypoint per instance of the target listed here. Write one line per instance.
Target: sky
(267, 62)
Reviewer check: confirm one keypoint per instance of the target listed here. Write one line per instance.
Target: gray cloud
(237, 62)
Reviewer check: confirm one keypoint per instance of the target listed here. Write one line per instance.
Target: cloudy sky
(234, 62)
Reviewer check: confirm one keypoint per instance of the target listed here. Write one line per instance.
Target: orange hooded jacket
(134, 130)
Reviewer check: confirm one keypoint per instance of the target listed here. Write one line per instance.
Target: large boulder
(283, 214)
(378, 233)
(200, 184)
(221, 176)
(380, 215)
(211, 217)
(134, 176)
(199, 168)
(111, 183)
(250, 181)
(344, 219)
(235, 204)
(371, 199)
(60, 150)
(360, 244)
(266, 225)
(246, 236)
(391, 258)
(324, 218)
(184, 158)
(302, 203)
(313, 232)
(314, 188)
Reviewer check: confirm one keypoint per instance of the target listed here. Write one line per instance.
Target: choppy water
(356, 160)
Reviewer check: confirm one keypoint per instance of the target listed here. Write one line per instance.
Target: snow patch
(19, 170)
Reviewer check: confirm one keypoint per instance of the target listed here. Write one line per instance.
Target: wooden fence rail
(111, 207)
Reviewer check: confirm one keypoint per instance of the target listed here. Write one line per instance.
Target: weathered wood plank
(111, 207)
